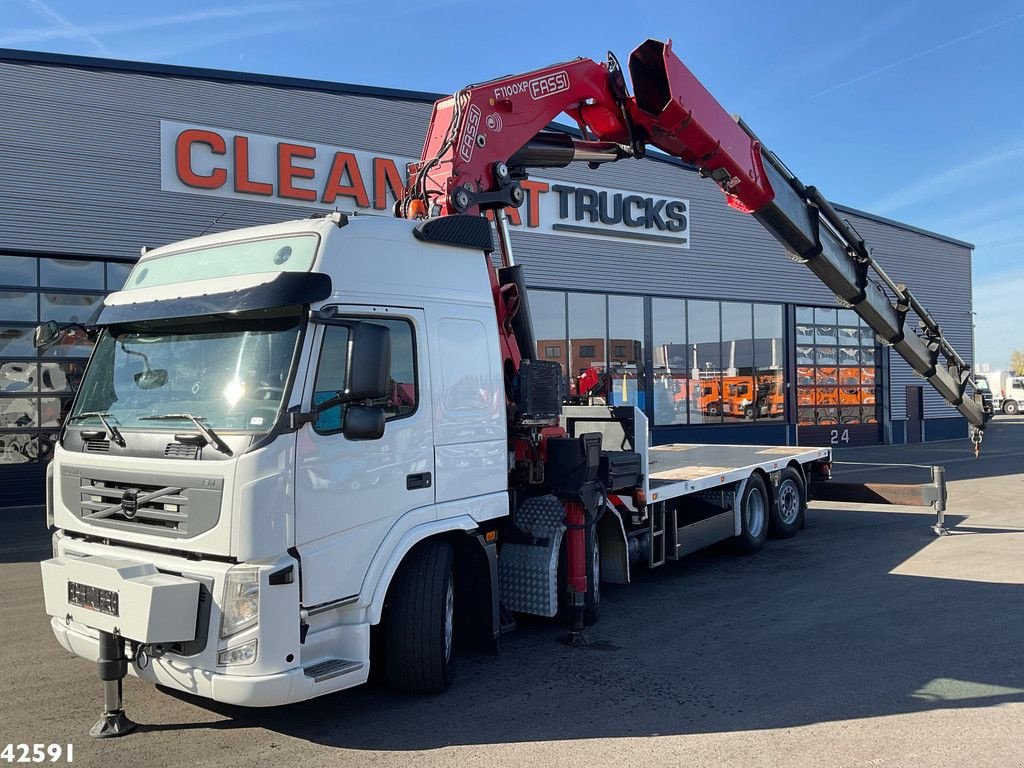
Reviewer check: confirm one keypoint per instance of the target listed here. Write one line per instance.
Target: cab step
(325, 670)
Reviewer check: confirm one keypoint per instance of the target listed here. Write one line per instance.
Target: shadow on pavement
(812, 629)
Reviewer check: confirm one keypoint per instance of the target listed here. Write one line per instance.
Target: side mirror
(151, 378)
(363, 422)
(45, 334)
(369, 358)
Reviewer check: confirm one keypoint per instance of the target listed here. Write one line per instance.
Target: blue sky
(911, 109)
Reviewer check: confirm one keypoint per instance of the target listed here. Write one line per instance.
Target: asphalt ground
(864, 641)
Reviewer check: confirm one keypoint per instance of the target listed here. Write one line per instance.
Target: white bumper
(243, 690)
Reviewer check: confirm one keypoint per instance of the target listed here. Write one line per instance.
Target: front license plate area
(93, 598)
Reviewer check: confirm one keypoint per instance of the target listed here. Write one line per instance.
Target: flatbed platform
(681, 468)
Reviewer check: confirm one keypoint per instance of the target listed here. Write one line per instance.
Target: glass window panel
(827, 416)
(849, 416)
(17, 270)
(587, 334)
(60, 377)
(71, 273)
(849, 355)
(330, 378)
(18, 448)
(806, 416)
(548, 311)
(805, 315)
(805, 396)
(626, 342)
(867, 337)
(703, 322)
(825, 355)
(825, 316)
(672, 360)
(18, 306)
(16, 342)
(116, 275)
(19, 412)
(805, 355)
(69, 307)
(737, 338)
(769, 360)
(825, 334)
(46, 442)
(18, 376)
(739, 398)
(849, 336)
(847, 317)
(52, 410)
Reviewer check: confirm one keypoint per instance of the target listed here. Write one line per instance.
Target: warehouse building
(645, 286)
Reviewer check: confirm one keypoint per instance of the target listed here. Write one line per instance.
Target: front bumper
(244, 690)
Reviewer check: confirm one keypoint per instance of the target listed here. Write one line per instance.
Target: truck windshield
(230, 373)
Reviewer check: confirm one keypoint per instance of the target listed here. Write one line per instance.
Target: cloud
(948, 181)
(65, 27)
(67, 30)
(918, 55)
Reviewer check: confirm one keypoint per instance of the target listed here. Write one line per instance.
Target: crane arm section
(481, 141)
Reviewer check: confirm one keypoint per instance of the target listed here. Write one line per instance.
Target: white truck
(1007, 390)
(303, 448)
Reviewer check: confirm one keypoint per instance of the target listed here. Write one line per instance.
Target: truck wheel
(748, 412)
(754, 510)
(787, 515)
(420, 621)
(1010, 407)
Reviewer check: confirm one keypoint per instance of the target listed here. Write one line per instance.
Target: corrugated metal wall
(81, 174)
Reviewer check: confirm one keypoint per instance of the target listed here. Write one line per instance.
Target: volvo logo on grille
(130, 502)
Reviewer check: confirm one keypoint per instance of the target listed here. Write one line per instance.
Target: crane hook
(977, 436)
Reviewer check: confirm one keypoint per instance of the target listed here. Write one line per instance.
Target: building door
(915, 413)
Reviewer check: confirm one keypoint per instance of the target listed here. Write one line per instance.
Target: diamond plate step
(325, 670)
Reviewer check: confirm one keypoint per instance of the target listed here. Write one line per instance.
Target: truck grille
(181, 450)
(159, 503)
(140, 505)
(97, 446)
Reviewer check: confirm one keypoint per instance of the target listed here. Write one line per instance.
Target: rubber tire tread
(745, 543)
(778, 529)
(414, 621)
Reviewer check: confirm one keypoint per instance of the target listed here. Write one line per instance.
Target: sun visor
(238, 293)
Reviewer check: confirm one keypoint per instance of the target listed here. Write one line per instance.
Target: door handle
(418, 480)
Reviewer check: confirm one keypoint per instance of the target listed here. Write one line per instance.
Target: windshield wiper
(114, 432)
(211, 437)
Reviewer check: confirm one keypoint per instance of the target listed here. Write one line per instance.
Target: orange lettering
(345, 162)
(286, 171)
(385, 176)
(242, 181)
(183, 158)
(533, 193)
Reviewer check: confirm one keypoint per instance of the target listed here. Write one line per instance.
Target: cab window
(402, 397)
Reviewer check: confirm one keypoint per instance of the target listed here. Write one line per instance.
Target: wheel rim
(449, 618)
(789, 502)
(755, 512)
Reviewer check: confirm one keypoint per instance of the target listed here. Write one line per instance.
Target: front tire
(420, 621)
(1010, 408)
(754, 510)
(787, 515)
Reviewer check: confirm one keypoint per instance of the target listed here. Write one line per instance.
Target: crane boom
(482, 140)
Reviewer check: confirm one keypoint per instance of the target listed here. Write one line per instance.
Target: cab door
(349, 493)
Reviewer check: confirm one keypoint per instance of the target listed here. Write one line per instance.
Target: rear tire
(420, 620)
(1010, 408)
(787, 515)
(754, 511)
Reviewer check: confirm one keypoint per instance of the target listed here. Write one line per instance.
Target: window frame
(347, 320)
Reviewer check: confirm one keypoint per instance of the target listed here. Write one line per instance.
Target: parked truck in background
(1007, 390)
(299, 442)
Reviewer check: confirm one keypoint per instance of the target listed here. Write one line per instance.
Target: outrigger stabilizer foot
(578, 636)
(113, 666)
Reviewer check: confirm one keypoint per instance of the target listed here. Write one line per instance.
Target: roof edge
(224, 75)
(902, 225)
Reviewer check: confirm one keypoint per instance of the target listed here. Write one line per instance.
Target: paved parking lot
(865, 641)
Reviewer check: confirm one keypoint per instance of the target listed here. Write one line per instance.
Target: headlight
(240, 654)
(241, 600)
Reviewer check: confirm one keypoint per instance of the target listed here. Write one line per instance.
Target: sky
(910, 109)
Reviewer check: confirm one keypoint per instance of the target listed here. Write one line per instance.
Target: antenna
(208, 226)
